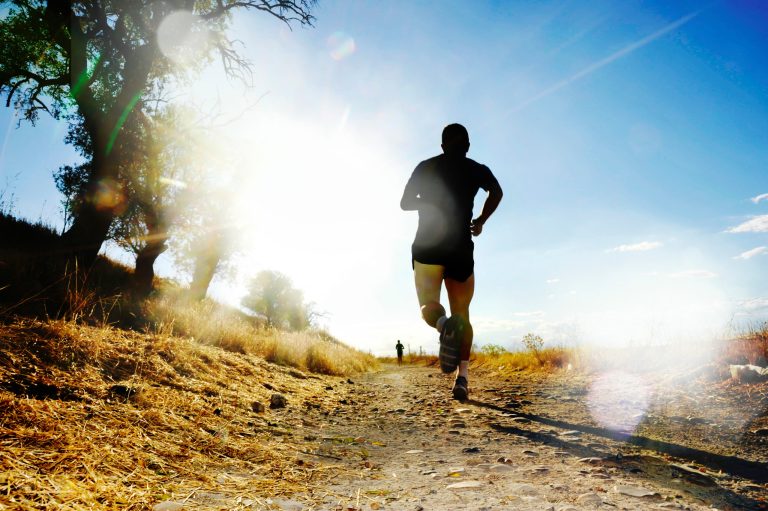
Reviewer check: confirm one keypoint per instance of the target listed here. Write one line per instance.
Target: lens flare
(181, 37)
(618, 401)
(341, 45)
(175, 183)
(109, 196)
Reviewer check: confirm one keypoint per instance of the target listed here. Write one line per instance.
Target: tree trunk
(156, 243)
(84, 238)
(103, 197)
(144, 275)
(205, 269)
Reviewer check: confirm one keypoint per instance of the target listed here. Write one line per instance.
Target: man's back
(446, 187)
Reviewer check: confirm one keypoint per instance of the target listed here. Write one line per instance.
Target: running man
(442, 189)
(399, 347)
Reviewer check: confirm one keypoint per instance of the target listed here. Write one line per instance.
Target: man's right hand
(476, 226)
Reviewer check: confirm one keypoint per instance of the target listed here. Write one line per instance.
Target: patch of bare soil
(396, 440)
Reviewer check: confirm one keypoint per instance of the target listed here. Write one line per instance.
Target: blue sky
(630, 138)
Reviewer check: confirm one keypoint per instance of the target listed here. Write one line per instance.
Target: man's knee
(431, 312)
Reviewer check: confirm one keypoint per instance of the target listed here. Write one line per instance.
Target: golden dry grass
(102, 418)
(426, 360)
(749, 347)
(546, 359)
(211, 323)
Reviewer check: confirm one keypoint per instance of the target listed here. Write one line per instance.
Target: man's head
(455, 140)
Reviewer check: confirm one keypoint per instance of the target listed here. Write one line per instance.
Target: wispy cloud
(762, 196)
(553, 281)
(755, 224)
(754, 304)
(528, 314)
(693, 274)
(497, 325)
(607, 60)
(636, 247)
(749, 254)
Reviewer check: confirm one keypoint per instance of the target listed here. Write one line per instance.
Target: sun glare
(618, 401)
(181, 37)
(315, 202)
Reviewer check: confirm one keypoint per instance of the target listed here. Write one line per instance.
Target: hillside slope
(102, 418)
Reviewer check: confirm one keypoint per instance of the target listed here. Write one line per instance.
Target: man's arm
(410, 200)
(491, 203)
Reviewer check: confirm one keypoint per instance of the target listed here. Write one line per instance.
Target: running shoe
(450, 343)
(460, 389)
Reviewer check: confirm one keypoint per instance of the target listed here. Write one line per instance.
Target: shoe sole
(449, 349)
(460, 393)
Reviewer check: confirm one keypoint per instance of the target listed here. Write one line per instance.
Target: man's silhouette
(442, 189)
(399, 347)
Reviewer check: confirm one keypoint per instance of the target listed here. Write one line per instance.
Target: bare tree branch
(286, 11)
(235, 66)
(14, 87)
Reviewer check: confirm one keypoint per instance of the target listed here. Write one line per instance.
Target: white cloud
(693, 274)
(749, 254)
(553, 281)
(636, 247)
(754, 304)
(755, 224)
(529, 314)
(496, 324)
(762, 196)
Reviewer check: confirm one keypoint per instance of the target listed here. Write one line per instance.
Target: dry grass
(426, 360)
(102, 418)
(211, 323)
(545, 359)
(749, 347)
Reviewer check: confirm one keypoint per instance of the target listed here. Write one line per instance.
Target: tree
(272, 295)
(156, 187)
(493, 350)
(94, 63)
(204, 228)
(534, 343)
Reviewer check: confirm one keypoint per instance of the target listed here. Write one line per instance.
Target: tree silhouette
(272, 295)
(94, 63)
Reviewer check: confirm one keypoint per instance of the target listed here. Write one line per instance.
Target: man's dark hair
(455, 138)
(454, 133)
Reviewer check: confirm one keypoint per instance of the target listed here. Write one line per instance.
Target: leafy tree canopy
(272, 295)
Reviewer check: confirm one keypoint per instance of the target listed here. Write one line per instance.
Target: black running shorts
(458, 263)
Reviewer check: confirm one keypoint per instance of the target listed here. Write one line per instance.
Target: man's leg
(429, 280)
(459, 297)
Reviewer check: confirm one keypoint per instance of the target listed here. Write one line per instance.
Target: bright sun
(318, 203)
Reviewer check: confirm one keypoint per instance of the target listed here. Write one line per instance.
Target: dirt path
(396, 440)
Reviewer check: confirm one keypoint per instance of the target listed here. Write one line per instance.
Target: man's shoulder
(430, 162)
(475, 165)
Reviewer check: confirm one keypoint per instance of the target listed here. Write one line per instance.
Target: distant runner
(399, 347)
(442, 189)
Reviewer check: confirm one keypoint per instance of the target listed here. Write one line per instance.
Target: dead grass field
(105, 418)
(546, 359)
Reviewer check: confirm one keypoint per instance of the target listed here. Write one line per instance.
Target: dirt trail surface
(396, 440)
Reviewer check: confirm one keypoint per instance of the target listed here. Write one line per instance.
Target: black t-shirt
(446, 187)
